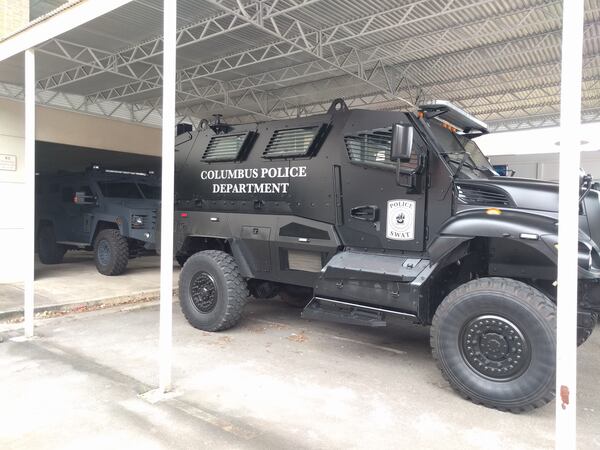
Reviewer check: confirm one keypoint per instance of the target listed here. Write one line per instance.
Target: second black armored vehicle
(111, 212)
(373, 214)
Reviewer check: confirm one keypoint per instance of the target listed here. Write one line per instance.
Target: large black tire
(494, 340)
(111, 252)
(212, 293)
(584, 333)
(49, 251)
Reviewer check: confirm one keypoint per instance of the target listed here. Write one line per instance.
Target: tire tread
(121, 257)
(513, 287)
(237, 290)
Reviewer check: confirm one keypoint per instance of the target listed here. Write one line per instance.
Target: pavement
(274, 381)
(76, 283)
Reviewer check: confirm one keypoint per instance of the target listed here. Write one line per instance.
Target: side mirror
(82, 199)
(402, 140)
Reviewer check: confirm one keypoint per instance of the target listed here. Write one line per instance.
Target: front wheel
(111, 252)
(583, 333)
(212, 292)
(494, 340)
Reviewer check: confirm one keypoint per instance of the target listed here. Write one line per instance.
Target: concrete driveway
(76, 283)
(274, 381)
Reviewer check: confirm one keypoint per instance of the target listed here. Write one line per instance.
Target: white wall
(534, 153)
(59, 127)
(12, 189)
(544, 166)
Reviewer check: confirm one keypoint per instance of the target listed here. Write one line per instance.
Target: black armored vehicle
(112, 212)
(372, 214)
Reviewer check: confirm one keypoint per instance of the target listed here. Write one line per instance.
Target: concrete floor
(274, 381)
(76, 282)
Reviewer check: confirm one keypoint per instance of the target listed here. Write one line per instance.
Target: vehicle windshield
(128, 189)
(150, 191)
(121, 189)
(463, 153)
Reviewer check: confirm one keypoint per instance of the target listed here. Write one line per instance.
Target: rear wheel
(494, 340)
(111, 252)
(49, 251)
(212, 292)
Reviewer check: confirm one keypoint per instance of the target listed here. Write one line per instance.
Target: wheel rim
(203, 291)
(103, 252)
(495, 348)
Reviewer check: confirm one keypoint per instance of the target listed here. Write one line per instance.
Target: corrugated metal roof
(499, 59)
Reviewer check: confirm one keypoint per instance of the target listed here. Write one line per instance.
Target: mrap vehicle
(374, 214)
(113, 212)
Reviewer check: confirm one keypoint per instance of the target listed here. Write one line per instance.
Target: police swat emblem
(401, 220)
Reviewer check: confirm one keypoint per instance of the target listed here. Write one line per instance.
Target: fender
(98, 218)
(509, 224)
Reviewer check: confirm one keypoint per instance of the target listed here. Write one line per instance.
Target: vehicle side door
(380, 209)
(74, 225)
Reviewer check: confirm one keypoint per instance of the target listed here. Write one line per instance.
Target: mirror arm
(411, 173)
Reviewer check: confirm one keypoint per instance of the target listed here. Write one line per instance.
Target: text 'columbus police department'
(260, 187)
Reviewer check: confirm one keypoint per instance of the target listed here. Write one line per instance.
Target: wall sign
(8, 162)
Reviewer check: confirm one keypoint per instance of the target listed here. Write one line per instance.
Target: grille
(482, 195)
(291, 142)
(225, 147)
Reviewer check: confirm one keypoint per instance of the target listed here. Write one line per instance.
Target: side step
(339, 311)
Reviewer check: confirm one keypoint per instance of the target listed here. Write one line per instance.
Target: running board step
(350, 316)
(348, 313)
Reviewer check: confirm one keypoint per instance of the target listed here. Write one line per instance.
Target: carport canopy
(260, 60)
(252, 60)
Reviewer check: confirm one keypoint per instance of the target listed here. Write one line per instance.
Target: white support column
(29, 234)
(168, 191)
(568, 219)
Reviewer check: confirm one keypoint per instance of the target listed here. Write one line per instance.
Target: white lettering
(262, 173)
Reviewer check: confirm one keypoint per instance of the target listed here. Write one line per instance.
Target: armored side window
(227, 147)
(373, 148)
(86, 190)
(295, 142)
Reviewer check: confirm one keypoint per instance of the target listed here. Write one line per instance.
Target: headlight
(138, 222)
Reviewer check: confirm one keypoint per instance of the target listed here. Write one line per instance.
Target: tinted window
(225, 147)
(149, 191)
(291, 142)
(374, 148)
(454, 146)
(67, 194)
(87, 191)
(120, 190)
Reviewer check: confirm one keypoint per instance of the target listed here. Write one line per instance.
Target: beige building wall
(60, 127)
(13, 15)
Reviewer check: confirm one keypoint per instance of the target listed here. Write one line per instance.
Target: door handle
(367, 212)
